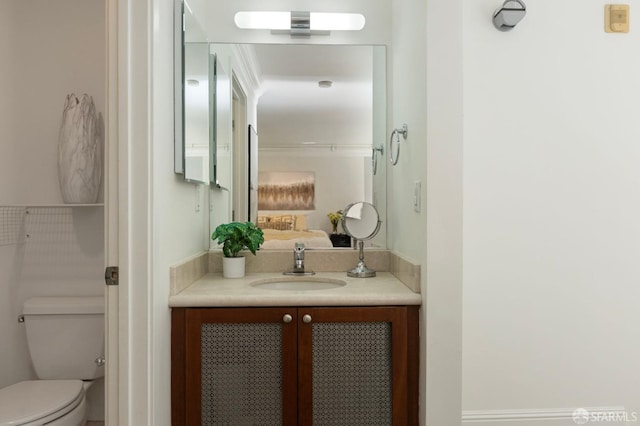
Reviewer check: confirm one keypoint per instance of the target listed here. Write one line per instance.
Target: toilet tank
(65, 336)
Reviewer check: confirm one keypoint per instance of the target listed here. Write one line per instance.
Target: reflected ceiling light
(300, 23)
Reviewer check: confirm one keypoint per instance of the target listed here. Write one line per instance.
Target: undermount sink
(298, 283)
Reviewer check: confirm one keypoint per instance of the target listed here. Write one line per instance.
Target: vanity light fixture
(299, 23)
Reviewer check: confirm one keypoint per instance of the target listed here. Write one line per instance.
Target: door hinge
(111, 275)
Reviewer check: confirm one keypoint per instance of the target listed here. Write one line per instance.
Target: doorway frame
(240, 151)
(128, 217)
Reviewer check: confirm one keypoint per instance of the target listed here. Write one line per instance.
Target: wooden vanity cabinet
(295, 366)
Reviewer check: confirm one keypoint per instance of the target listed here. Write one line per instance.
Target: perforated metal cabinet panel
(241, 374)
(248, 366)
(352, 374)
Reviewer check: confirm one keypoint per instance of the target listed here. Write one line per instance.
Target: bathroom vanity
(264, 350)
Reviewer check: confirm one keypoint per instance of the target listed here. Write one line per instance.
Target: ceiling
(293, 109)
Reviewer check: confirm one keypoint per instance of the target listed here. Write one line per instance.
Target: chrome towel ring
(396, 132)
(374, 157)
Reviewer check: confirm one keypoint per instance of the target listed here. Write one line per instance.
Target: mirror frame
(345, 218)
(180, 86)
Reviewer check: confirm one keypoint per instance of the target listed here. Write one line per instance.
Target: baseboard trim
(561, 416)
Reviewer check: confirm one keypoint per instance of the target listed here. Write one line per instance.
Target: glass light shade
(336, 21)
(263, 20)
(320, 21)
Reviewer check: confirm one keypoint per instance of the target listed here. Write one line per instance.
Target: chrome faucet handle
(298, 256)
(298, 261)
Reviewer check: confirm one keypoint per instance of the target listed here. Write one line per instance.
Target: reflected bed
(283, 231)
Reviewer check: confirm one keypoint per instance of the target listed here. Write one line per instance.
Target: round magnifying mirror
(361, 222)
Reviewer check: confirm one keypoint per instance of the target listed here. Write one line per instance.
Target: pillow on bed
(278, 226)
(301, 223)
(280, 223)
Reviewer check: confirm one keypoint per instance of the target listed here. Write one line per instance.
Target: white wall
(407, 71)
(158, 225)
(49, 49)
(429, 101)
(551, 231)
(379, 180)
(178, 230)
(14, 363)
(7, 88)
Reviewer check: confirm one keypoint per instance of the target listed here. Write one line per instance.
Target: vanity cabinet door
(358, 366)
(239, 366)
(295, 366)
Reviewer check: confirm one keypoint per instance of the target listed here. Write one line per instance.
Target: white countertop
(213, 290)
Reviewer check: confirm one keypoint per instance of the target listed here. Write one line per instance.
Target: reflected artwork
(286, 191)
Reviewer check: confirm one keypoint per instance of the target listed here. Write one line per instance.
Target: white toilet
(66, 342)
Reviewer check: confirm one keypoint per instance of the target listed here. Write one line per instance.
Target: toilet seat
(36, 402)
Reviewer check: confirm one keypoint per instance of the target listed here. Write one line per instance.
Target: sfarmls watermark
(582, 416)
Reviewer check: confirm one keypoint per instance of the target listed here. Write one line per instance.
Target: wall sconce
(299, 23)
(508, 16)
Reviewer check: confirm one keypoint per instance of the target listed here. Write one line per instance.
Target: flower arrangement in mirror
(338, 240)
(334, 218)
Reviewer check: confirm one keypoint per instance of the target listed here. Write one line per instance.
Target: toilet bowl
(40, 402)
(65, 336)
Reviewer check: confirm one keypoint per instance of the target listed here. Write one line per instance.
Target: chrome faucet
(298, 262)
(298, 258)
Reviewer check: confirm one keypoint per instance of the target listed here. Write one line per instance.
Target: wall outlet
(417, 191)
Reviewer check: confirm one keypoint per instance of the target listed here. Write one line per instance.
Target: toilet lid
(32, 400)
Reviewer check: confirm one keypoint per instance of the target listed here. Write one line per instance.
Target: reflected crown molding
(318, 150)
(247, 67)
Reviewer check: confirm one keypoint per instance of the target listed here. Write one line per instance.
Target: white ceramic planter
(79, 151)
(233, 267)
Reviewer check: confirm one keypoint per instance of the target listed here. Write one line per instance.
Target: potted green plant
(235, 237)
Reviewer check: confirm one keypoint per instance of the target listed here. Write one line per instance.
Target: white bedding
(312, 239)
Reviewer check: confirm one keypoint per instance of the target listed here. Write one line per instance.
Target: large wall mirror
(295, 136)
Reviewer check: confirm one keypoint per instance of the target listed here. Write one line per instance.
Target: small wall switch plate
(616, 18)
(417, 190)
